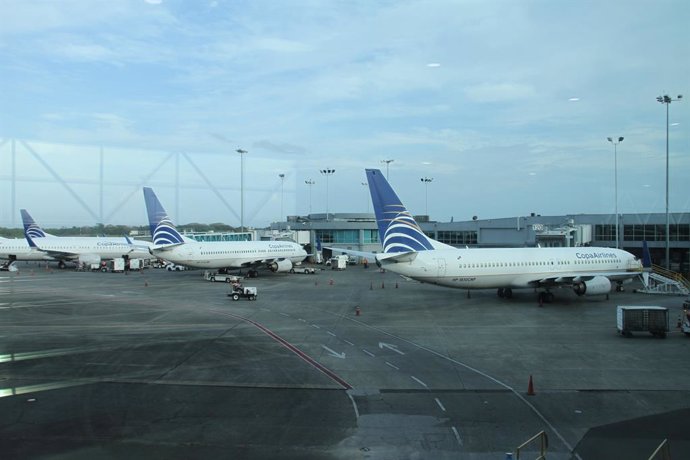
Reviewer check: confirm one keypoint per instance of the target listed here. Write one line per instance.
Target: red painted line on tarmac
(332, 375)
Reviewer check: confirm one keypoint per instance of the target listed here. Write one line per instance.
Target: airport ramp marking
(393, 366)
(472, 369)
(334, 353)
(457, 436)
(308, 359)
(391, 347)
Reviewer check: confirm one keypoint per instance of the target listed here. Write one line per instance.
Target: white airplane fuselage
(19, 249)
(105, 248)
(514, 267)
(230, 254)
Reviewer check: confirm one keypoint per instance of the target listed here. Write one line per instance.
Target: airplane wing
(379, 257)
(370, 256)
(60, 255)
(57, 255)
(568, 279)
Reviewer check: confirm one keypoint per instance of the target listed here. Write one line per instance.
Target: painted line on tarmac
(308, 359)
(440, 404)
(369, 353)
(393, 366)
(14, 391)
(419, 381)
(477, 371)
(457, 435)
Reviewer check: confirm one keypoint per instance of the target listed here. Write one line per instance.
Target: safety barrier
(543, 445)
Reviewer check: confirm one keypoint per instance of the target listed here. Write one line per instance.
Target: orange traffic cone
(530, 387)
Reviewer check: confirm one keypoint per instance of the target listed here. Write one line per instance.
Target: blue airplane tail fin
(162, 229)
(398, 230)
(31, 228)
(646, 256)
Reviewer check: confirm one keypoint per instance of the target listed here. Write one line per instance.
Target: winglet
(31, 228)
(163, 231)
(398, 230)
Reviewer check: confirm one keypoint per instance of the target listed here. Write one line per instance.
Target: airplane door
(441, 267)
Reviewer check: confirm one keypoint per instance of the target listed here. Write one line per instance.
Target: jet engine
(597, 285)
(89, 259)
(280, 265)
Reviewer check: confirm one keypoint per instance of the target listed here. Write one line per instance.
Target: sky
(505, 105)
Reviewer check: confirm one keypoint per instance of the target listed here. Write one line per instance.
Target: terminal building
(359, 232)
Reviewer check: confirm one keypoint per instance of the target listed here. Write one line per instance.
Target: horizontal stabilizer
(166, 247)
(397, 257)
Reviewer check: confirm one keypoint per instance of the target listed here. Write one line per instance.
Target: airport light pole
(666, 99)
(615, 180)
(309, 182)
(327, 172)
(241, 152)
(426, 181)
(388, 162)
(366, 195)
(282, 184)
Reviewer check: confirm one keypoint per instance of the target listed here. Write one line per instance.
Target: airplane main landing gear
(506, 293)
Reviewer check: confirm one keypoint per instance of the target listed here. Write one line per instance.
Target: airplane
(18, 249)
(170, 245)
(410, 253)
(81, 249)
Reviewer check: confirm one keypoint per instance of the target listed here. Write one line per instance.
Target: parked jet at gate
(409, 252)
(169, 244)
(80, 249)
(12, 249)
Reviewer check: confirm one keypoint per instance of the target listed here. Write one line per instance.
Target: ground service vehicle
(654, 320)
(118, 265)
(175, 268)
(240, 291)
(685, 319)
(223, 277)
(136, 264)
(304, 270)
(339, 262)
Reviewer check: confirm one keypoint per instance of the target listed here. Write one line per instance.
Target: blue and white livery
(80, 249)
(407, 251)
(170, 245)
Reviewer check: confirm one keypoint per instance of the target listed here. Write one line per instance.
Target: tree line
(117, 230)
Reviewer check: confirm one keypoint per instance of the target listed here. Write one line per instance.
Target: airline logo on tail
(398, 230)
(163, 231)
(31, 228)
